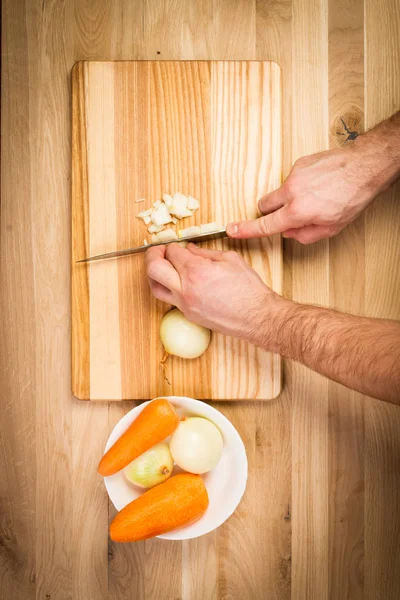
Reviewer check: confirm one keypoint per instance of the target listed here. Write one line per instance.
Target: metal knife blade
(202, 237)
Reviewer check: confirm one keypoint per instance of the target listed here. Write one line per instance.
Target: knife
(202, 237)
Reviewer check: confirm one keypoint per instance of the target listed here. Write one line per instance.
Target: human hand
(322, 194)
(212, 288)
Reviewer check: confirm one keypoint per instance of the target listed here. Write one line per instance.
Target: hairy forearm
(361, 353)
(377, 152)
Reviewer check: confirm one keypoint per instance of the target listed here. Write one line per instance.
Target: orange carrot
(156, 422)
(178, 501)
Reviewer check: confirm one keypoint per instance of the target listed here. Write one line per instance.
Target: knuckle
(263, 225)
(291, 186)
(232, 256)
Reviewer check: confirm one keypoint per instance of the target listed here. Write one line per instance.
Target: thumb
(276, 222)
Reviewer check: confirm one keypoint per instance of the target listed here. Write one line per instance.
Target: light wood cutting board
(210, 129)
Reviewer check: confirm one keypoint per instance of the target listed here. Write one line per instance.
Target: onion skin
(151, 468)
(181, 337)
(196, 445)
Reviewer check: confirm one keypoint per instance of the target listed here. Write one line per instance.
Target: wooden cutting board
(211, 129)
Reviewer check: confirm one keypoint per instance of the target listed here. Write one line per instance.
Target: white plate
(225, 484)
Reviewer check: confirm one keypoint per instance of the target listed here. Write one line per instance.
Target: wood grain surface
(321, 515)
(140, 129)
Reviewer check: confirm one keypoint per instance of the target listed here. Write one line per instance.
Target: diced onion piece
(192, 203)
(180, 196)
(155, 228)
(145, 243)
(140, 200)
(161, 215)
(209, 227)
(181, 213)
(144, 213)
(157, 203)
(189, 231)
(178, 208)
(168, 235)
(147, 220)
(154, 238)
(167, 199)
(174, 220)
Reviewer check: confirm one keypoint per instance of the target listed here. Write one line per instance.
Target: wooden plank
(310, 285)
(346, 293)
(17, 308)
(382, 422)
(212, 130)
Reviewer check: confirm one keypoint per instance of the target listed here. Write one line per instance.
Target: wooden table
(321, 516)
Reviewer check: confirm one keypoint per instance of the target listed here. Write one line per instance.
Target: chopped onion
(157, 203)
(147, 220)
(192, 203)
(155, 228)
(154, 238)
(181, 337)
(189, 231)
(145, 243)
(209, 227)
(144, 213)
(161, 215)
(167, 199)
(178, 206)
(168, 235)
(140, 200)
(196, 445)
(151, 468)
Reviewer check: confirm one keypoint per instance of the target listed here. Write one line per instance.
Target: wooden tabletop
(321, 515)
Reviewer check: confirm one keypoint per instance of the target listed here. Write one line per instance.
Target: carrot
(178, 501)
(156, 422)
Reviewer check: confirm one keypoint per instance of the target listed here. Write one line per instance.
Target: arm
(220, 291)
(361, 353)
(324, 192)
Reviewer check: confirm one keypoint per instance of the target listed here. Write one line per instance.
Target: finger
(204, 252)
(161, 270)
(160, 292)
(310, 234)
(271, 202)
(177, 256)
(276, 222)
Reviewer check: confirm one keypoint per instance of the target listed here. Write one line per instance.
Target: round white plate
(225, 484)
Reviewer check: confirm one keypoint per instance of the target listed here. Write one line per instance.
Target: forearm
(377, 152)
(361, 353)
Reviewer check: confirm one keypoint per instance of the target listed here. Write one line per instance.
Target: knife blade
(202, 237)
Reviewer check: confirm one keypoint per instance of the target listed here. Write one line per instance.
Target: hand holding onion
(215, 289)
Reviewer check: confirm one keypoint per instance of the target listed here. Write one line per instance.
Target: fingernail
(232, 229)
